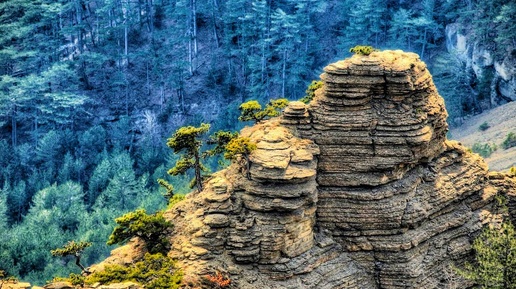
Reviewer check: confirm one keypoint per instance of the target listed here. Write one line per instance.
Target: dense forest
(91, 89)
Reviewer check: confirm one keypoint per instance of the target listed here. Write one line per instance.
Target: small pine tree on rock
(252, 110)
(240, 146)
(362, 50)
(152, 229)
(73, 249)
(310, 91)
(186, 140)
(220, 139)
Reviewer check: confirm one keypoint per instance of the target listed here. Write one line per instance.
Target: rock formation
(358, 189)
(482, 60)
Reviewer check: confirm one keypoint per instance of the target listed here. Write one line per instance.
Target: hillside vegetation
(91, 89)
(501, 121)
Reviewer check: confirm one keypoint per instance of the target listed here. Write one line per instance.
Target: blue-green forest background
(91, 89)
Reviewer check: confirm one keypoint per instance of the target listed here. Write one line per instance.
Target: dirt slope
(501, 120)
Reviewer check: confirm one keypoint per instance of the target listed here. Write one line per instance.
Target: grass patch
(485, 150)
(509, 141)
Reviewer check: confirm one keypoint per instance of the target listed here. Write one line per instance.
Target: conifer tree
(220, 139)
(152, 229)
(186, 141)
(73, 248)
(240, 146)
(495, 258)
(252, 110)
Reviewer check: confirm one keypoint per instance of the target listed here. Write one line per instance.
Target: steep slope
(358, 189)
(501, 121)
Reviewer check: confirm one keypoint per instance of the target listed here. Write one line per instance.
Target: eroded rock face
(483, 62)
(358, 189)
(262, 220)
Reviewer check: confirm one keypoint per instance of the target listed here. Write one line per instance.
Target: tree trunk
(197, 168)
(194, 24)
(14, 133)
(190, 53)
(284, 72)
(78, 263)
(78, 16)
(423, 46)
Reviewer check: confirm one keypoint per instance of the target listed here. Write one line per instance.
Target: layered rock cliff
(358, 189)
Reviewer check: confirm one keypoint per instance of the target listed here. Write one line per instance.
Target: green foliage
(152, 229)
(155, 271)
(220, 139)
(495, 258)
(252, 110)
(509, 141)
(485, 150)
(170, 189)
(310, 91)
(240, 146)
(74, 279)
(71, 248)
(175, 199)
(512, 171)
(362, 50)
(186, 140)
(484, 126)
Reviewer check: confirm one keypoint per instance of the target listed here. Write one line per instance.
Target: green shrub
(155, 271)
(310, 91)
(252, 110)
(484, 126)
(512, 171)
(495, 258)
(72, 249)
(74, 279)
(362, 50)
(175, 199)
(484, 150)
(152, 229)
(509, 141)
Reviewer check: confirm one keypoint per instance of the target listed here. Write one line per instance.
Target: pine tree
(240, 146)
(152, 229)
(285, 38)
(186, 141)
(252, 110)
(74, 249)
(495, 258)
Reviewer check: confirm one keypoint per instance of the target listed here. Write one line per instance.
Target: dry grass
(501, 120)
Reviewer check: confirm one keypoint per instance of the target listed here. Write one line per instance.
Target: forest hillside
(91, 89)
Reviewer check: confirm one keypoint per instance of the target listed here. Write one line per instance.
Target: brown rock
(358, 189)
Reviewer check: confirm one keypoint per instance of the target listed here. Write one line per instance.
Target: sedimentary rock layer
(358, 189)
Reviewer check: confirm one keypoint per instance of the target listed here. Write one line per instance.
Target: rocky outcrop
(398, 197)
(264, 220)
(358, 189)
(482, 61)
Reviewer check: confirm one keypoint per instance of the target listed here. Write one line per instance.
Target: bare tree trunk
(197, 168)
(194, 23)
(14, 130)
(214, 19)
(78, 263)
(284, 72)
(78, 17)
